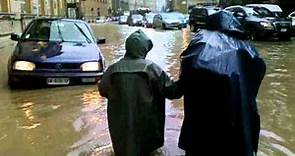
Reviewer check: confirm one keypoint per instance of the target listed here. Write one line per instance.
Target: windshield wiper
(59, 32)
(80, 29)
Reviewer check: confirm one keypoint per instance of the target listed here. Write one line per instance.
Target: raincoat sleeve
(104, 84)
(165, 86)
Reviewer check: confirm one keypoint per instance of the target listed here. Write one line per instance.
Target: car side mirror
(14, 37)
(101, 41)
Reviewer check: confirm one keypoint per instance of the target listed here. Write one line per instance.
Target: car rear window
(200, 11)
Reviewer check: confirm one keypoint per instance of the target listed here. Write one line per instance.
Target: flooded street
(72, 120)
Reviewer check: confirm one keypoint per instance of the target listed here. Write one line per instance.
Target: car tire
(12, 84)
(164, 26)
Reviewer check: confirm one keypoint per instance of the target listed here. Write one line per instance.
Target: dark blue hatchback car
(56, 52)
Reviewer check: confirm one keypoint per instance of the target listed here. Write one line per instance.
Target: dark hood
(138, 45)
(57, 52)
(225, 22)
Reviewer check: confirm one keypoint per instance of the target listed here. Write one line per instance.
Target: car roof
(234, 6)
(270, 7)
(61, 19)
(205, 7)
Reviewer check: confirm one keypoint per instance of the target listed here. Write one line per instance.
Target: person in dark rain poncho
(220, 77)
(136, 89)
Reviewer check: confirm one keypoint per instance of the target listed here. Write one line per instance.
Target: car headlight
(91, 66)
(293, 22)
(266, 25)
(24, 66)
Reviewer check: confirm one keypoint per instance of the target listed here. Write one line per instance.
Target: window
(58, 31)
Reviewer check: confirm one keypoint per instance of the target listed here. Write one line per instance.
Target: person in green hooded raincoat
(136, 90)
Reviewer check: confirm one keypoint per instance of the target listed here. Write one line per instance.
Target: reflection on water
(93, 124)
(27, 107)
(72, 120)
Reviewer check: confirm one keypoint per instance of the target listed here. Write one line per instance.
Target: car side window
(240, 11)
(230, 9)
(292, 15)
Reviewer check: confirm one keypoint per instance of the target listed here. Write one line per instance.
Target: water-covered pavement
(72, 120)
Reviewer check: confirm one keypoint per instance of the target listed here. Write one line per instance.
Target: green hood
(138, 45)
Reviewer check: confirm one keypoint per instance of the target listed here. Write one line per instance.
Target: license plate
(201, 23)
(284, 30)
(58, 81)
(88, 80)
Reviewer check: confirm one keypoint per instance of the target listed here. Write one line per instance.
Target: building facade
(94, 8)
(36, 7)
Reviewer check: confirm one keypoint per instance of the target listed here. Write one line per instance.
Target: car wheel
(193, 28)
(164, 26)
(12, 84)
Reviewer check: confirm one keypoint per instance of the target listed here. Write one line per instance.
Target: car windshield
(137, 17)
(169, 16)
(251, 12)
(149, 16)
(123, 17)
(264, 12)
(200, 12)
(58, 31)
(178, 15)
(212, 11)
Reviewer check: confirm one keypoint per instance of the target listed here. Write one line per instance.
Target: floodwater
(72, 120)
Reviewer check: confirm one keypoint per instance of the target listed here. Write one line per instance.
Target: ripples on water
(276, 99)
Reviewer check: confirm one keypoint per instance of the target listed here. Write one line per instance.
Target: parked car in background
(273, 8)
(198, 16)
(276, 12)
(100, 19)
(55, 52)
(260, 23)
(186, 18)
(148, 20)
(135, 20)
(123, 19)
(181, 17)
(167, 21)
(292, 17)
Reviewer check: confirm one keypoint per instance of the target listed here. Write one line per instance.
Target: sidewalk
(5, 41)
